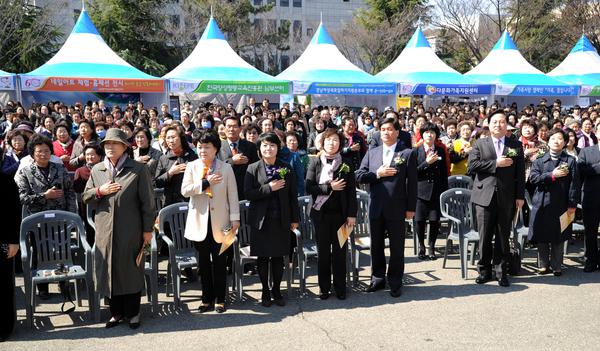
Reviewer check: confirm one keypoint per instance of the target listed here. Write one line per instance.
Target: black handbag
(514, 261)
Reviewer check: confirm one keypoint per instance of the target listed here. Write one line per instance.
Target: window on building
(257, 2)
(297, 3)
(297, 31)
(284, 61)
(76, 14)
(258, 24)
(310, 31)
(174, 20)
(284, 3)
(272, 2)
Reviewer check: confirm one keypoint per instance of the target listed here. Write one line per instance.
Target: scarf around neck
(115, 170)
(326, 177)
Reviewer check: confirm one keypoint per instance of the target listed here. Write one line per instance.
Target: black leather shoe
(279, 302)
(483, 278)
(221, 308)
(113, 322)
(504, 282)
(266, 299)
(206, 308)
(558, 274)
(432, 257)
(544, 271)
(396, 292)
(376, 286)
(422, 255)
(590, 266)
(341, 296)
(134, 325)
(324, 296)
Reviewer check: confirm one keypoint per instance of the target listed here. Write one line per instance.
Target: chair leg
(169, 278)
(89, 283)
(465, 258)
(177, 292)
(448, 246)
(77, 297)
(289, 277)
(29, 286)
(154, 288)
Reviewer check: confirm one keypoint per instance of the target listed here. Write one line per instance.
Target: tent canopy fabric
(419, 70)
(214, 67)
(323, 69)
(7, 80)
(581, 66)
(86, 63)
(513, 75)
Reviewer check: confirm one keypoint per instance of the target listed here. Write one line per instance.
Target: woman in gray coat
(121, 191)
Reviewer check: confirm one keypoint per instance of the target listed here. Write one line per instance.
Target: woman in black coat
(432, 177)
(557, 191)
(9, 246)
(330, 180)
(270, 186)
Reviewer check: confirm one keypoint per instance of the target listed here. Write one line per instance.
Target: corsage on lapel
(512, 152)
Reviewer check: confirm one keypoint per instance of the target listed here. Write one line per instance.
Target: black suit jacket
(432, 179)
(589, 171)
(9, 192)
(249, 150)
(404, 138)
(508, 181)
(392, 196)
(258, 192)
(348, 195)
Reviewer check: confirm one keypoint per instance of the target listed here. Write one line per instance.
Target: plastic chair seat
(75, 272)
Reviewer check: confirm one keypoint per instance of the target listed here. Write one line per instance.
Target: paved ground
(438, 311)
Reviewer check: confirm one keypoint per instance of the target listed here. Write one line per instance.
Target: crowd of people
(214, 156)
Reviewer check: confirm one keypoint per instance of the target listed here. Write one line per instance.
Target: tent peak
(321, 36)
(418, 40)
(505, 42)
(582, 45)
(84, 24)
(212, 31)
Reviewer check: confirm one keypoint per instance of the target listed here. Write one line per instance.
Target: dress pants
(493, 223)
(550, 255)
(330, 255)
(213, 270)
(7, 297)
(127, 306)
(591, 218)
(395, 270)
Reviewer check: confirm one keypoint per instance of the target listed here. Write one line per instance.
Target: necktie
(498, 148)
(205, 171)
(234, 150)
(388, 153)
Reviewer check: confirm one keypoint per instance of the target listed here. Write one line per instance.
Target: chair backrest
(361, 229)
(244, 230)
(306, 226)
(90, 214)
(47, 236)
(175, 216)
(456, 203)
(460, 181)
(159, 199)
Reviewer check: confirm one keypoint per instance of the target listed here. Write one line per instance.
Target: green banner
(595, 91)
(235, 87)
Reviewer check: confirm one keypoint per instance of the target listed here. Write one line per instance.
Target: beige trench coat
(121, 219)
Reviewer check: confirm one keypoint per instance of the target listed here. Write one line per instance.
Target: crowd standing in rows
(214, 156)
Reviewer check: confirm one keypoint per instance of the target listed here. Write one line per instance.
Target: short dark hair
(250, 127)
(561, 132)
(96, 147)
(146, 132)
(393, 121)
(206, 136)
(497, 112)
(269, 137)
(347, 119)
(15, 133)
(39, 139)
(531, 123)
(430, 127)
(232, 118)
(182, 138)
(59, 125)
(450, 122)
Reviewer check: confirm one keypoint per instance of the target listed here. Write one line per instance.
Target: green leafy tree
(27, 37)
(137, 30)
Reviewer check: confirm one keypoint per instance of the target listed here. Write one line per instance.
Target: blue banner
(445, 89)
(302, 88)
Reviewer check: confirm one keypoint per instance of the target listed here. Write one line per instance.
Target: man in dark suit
(239, 153)
(404, 137)
(353, 145)
(391, 172)
(589, 169)
(499, 168)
